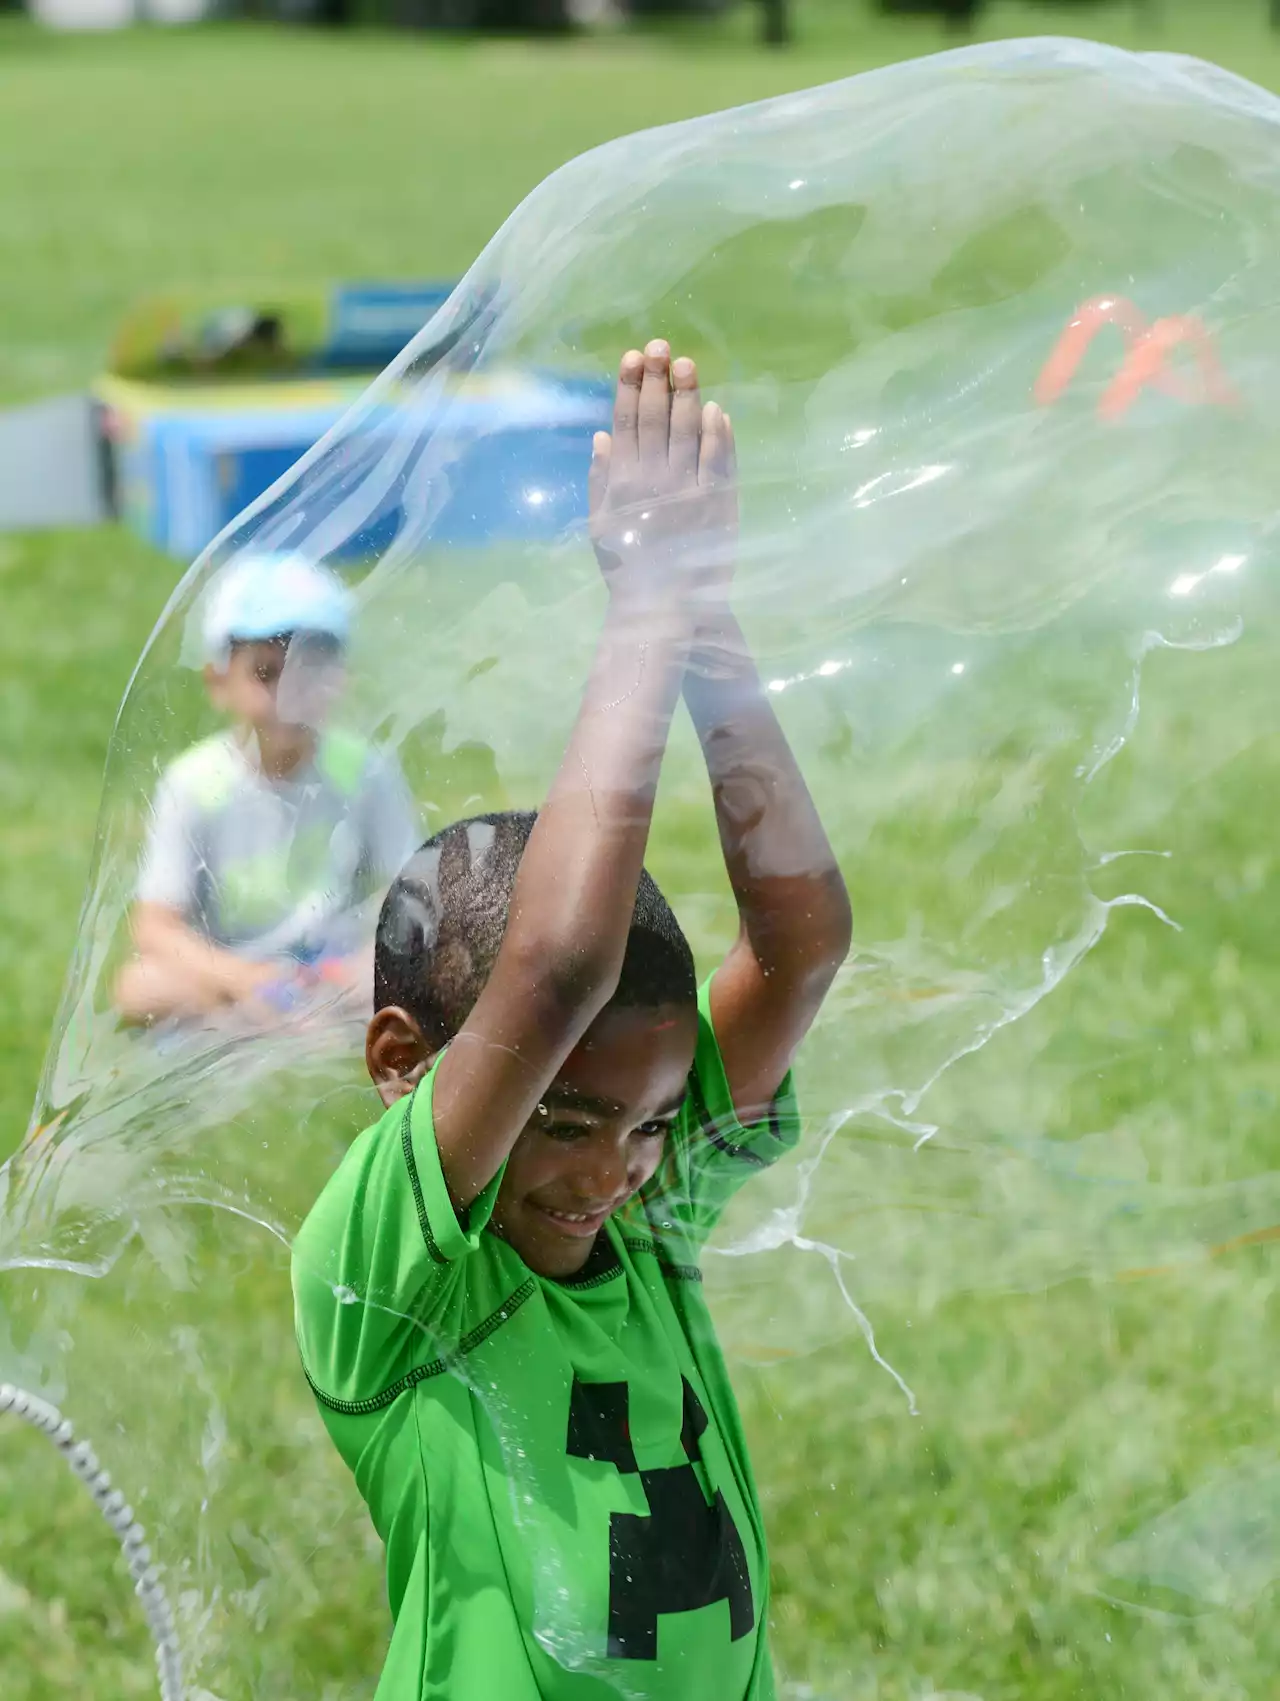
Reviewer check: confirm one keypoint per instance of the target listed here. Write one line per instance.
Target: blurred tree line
(498, 15)
(963, 14)
(537, 16)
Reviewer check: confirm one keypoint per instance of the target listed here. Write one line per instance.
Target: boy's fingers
(655, 404)
(731, 452)
(686, 419)
(626, 404)
(598, 476)
(713, 462)
(729, 481)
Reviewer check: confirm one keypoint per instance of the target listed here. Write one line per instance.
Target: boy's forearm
(586, 852)
(790, 894)
(572, 902)
(211, 974)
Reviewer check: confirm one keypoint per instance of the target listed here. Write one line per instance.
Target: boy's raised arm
(795, 924)
(574, 896)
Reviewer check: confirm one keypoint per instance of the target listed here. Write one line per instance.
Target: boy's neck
(280, 751)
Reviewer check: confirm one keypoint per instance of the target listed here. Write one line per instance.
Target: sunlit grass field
(1070, 1397)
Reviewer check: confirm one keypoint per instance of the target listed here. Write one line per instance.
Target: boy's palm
(663, 490)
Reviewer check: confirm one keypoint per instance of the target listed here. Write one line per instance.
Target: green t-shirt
(556, 1468)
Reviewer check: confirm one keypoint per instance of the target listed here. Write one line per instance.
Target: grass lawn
(970, 1552)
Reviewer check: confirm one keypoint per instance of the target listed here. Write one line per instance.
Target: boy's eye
(542, 1121)
(653, 1130)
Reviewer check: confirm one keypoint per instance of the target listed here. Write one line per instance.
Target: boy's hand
(663, 490)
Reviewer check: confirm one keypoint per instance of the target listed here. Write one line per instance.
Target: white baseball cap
(266, 595)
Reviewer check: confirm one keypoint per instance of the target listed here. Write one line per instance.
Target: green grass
(962, 1553)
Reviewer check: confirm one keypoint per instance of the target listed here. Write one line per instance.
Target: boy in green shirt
(497, 1294)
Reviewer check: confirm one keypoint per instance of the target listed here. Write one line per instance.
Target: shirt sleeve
(392, 825)
(171, 858)
(378, 1264)
(710, 1153)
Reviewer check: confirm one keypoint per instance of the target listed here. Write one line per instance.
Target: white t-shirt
(277, 867)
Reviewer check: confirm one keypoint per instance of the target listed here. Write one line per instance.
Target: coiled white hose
(41, 1415)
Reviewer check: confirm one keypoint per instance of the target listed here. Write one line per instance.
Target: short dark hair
(443, 920)
(322, 643)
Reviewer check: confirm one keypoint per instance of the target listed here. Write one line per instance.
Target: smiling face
(598, 1135)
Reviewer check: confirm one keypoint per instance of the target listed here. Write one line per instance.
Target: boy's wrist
(653, 612)
(720, 649)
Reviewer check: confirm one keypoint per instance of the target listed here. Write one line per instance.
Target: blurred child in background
(267, 838)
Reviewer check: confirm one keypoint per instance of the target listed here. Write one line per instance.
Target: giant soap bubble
(1000, 338)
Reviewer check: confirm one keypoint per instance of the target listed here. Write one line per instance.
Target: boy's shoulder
(344, 759)
(207, 774)
(210, 772)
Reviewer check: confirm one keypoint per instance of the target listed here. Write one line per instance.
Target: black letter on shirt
(686, 1553)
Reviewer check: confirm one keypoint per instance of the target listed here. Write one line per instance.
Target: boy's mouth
(576, 1223)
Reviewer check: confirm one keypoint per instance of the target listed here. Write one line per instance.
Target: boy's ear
(395, 1054)
(215, 678)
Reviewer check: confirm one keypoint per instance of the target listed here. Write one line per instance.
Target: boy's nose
(602, 1178)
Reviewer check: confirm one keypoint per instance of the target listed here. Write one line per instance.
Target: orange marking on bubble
(46, 1130)
(1254, 1237)
(1090, 317)
(1146, 363)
